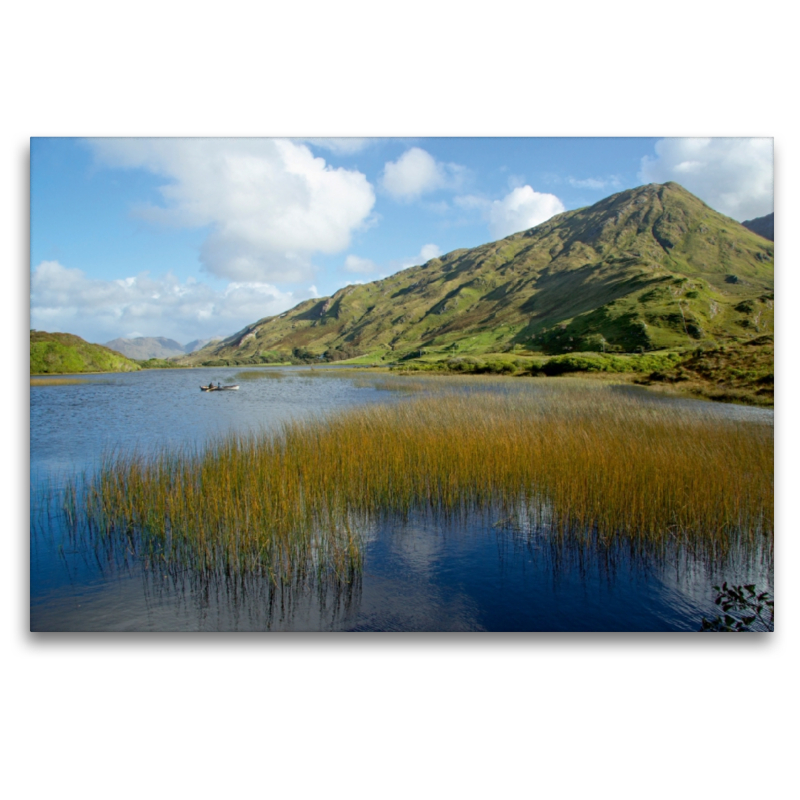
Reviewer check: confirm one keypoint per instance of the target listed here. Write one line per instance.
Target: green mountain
(63, 353)
(648, 268)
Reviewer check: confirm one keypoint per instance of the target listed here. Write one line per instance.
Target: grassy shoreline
(737, 373)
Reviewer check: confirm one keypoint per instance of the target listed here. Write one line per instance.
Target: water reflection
(497, 570)
(421, 574)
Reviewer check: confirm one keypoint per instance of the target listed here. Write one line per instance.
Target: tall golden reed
(579, 459)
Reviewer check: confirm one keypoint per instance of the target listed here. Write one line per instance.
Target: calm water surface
(419, 574)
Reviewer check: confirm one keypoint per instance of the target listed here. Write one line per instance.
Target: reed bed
(36, 381)
(581, 463)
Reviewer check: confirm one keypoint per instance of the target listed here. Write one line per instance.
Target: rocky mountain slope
(763, 226)
(647, 268)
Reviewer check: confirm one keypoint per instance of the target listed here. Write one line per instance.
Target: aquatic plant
(579, 460)
(744, 610)
(57, 381)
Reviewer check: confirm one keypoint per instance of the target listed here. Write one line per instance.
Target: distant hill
(648, 268)
(763, 226)
(197, 344)
(63, 353)
(144, 347)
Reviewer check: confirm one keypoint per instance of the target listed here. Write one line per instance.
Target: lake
(421, 571)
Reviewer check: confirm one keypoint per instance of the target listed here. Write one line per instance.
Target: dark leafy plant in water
(744, 610)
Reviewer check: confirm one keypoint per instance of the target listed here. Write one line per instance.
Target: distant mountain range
(763, 226)
(648, 268)
(145, 347)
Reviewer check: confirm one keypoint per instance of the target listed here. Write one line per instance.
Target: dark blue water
(420, 574)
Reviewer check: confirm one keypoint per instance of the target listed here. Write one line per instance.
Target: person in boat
(219, 385)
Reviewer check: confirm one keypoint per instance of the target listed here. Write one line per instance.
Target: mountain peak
(647, 267)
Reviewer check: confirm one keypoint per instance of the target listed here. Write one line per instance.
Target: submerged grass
(589, 463)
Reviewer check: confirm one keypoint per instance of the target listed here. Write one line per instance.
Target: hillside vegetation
(64, 353)
(739, 373)
(744, 374)
(651, 268)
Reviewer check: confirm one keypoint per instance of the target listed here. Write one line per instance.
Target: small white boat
(211, 388)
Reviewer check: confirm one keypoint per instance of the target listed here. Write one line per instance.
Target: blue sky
(194, 238)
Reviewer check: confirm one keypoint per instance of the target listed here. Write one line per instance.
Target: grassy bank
(542, 366)
(298, 502)
(739, 373)
(47, 381)
(160, 363)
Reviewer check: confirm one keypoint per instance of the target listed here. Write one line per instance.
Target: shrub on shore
(742, 373)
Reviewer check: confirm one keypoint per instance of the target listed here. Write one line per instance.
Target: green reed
(579, 459)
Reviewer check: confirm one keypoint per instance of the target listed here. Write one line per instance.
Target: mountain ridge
(763, 226)
(142, 348)
(647, 268)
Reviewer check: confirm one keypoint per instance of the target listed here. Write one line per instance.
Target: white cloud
(520, 209)
(357, 264)
(429, 251)
(66, 300)
(733, 175)
(270, 203)
(426, 253)
(417, 172)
